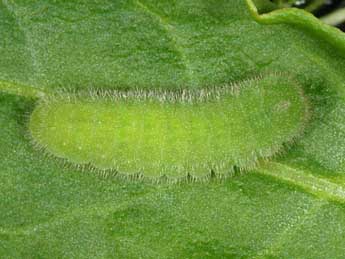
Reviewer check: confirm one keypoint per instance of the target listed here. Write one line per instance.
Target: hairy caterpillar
(172, 133)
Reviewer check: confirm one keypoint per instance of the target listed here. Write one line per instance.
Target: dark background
(330, 6)
(319, 8)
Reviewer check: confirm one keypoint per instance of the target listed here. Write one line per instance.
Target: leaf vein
(27, 37)
(175, 39)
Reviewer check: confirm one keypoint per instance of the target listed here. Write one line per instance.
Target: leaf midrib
(317, 186)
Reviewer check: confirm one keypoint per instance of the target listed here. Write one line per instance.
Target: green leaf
(288, 207)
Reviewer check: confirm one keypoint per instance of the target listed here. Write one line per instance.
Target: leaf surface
(292, 207)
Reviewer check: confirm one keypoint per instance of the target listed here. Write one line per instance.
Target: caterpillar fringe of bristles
(178, 95)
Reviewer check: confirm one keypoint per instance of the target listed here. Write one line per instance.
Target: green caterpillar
(171, 133)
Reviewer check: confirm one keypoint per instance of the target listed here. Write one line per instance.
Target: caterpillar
(175, 133)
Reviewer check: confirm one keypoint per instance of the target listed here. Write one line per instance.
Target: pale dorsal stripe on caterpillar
(173, 133)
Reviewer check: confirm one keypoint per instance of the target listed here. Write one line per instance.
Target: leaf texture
(292, 207)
